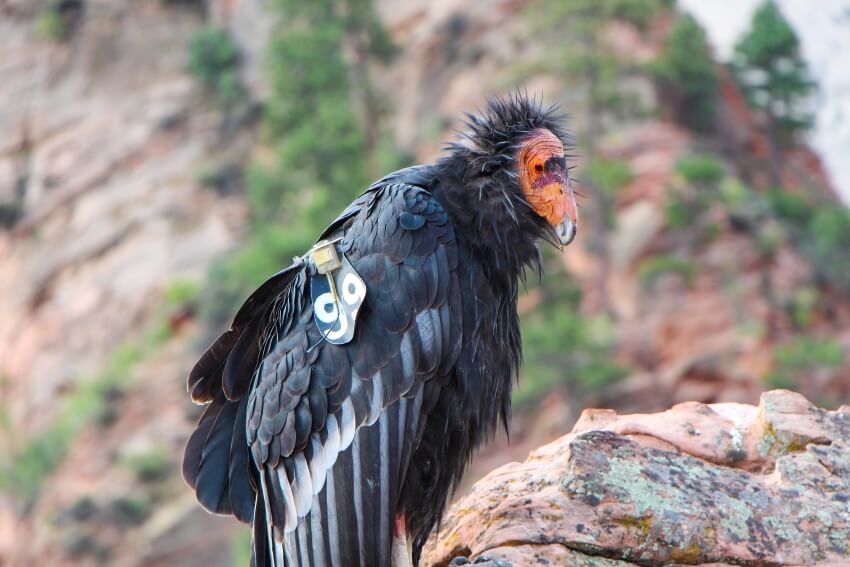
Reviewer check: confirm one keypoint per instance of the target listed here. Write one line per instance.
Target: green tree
(315, 124)
(214, 62)
(319, 65)
(773, 76)
(687, 75)
(317, 140)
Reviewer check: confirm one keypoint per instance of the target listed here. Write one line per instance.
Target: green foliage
(687, 74)
(807, 352)
(234, 276)
(769, 238)
(701, 169)
(654, 267)
(128, 511)
(609, 175)
(149, 466)
(802, 306)
(803, 355)
(819, 232)
(58, 19)
(180, 292)
(317, 139)
(733, 193)
(80, 545)
(577, 27)
(25, 468)
(50, 27)
(319, 149)
(197, 4)
(561, 347)
(214, 62)
(364, 27)
(639, 12)
(679, 211)
(240, 548)
(791, 207)
(223, 178)
(685, 205)
(772, 73)
(826, 241)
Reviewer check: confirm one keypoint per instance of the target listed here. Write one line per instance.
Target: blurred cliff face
(159, 158)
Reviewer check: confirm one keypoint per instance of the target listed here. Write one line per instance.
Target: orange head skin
(544, 179)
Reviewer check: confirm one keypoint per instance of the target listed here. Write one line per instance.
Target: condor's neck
(491, 233)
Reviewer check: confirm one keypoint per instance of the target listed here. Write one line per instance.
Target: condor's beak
(567, 228)
(566, 231)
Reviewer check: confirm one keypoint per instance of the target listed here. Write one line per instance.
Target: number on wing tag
(336, 319)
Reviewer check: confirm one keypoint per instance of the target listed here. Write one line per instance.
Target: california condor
(348, 395)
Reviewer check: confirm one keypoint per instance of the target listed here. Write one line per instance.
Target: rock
(102, 153)
(719, 484)
(637, 225)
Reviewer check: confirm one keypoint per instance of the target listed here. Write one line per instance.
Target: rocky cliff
(717, 484)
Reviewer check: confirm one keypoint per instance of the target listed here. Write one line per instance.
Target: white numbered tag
(336, 319)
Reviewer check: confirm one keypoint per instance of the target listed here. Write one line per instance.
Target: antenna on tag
(326, 259)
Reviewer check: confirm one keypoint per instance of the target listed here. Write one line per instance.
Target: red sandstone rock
(698, 484)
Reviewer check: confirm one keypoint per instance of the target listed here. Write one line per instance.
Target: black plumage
(336, 451)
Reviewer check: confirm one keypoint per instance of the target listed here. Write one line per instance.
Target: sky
(824, 30)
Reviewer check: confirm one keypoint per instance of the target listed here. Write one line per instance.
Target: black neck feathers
(477, 184)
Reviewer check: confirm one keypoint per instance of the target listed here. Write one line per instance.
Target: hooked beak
(566, 231)
(567, 228)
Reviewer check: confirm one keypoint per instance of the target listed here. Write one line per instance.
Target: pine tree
(774, 78)
(687, 75)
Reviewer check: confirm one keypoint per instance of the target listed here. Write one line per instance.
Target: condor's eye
(538, 167)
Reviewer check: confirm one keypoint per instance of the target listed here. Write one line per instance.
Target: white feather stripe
(384, 438)
(333, 527)
(426, 330)
(318, 466)
(357, 485)
(317, 534)
(303, 552)
(402, 423)
(408, 365)
(291, 520)
(277, 548)
(279, 555)
(302, 486)
(332, 442)
(376, 403)
(436, 324)
(347, 425)
(415, 410)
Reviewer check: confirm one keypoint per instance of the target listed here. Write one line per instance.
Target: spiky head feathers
(513, 156)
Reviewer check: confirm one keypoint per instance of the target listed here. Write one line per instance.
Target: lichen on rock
(720, 484)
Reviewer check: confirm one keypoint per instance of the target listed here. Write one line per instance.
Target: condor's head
(513, 184)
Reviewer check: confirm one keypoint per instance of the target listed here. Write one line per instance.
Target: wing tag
(337, 292)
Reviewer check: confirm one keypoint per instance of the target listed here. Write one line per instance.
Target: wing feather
(324, 420)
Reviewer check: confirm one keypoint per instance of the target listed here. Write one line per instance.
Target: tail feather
(351, 519)
(195, 446)
(217, 461)
(213, 481)
(243, 489)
